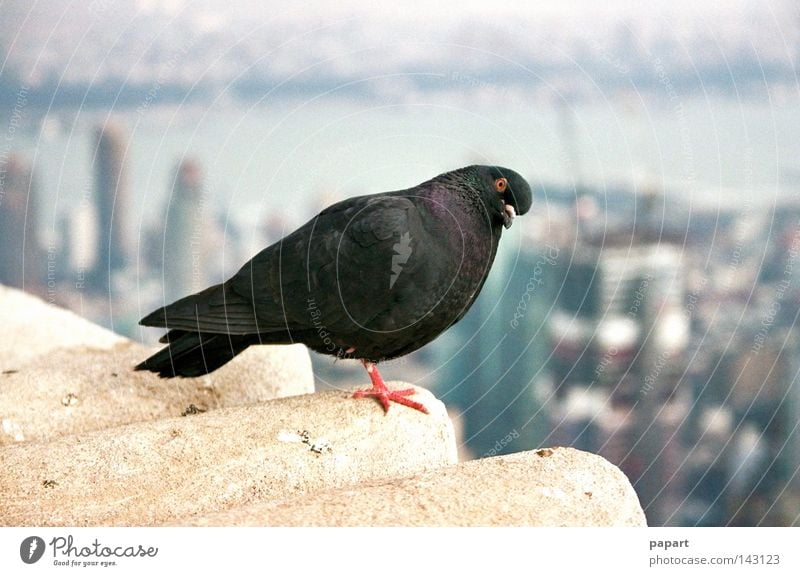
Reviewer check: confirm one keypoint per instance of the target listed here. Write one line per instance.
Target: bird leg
(380, 391)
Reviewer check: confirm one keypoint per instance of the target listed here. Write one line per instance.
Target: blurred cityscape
(661, 337)
(652, 320)
(665, 340)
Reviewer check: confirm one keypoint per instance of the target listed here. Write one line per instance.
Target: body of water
(288, 159)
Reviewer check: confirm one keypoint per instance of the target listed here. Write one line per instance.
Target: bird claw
(386, 396)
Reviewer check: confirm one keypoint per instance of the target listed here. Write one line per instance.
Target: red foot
(383, 394)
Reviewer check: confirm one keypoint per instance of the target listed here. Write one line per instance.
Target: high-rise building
(493, 359)
(619, 330)
(21, 260)
(111, 201)
(187, 233)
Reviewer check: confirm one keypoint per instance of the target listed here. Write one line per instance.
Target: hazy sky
(557, 8)
(45, 33)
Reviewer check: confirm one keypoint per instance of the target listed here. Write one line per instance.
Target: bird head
(505, 193)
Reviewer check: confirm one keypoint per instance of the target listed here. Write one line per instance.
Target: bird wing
(350, 265)
(218, 309)
(336, 271)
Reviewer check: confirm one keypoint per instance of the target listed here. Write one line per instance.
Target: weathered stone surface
(32, 327)
(60, 374)
(85, 440)
(263, 373)
(78, 389)
(547, 487)
(161, 471)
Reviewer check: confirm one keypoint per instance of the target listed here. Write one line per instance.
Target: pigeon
(370, 278)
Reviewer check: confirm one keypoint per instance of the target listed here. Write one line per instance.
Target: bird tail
(194, 353)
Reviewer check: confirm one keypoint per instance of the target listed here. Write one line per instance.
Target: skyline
(552, 351)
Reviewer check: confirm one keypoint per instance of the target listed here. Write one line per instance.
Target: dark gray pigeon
(373, 278)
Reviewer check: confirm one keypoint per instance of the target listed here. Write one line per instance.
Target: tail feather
(194, 353)
(217, 309)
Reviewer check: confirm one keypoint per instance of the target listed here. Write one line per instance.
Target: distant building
(758, 387)
(615, 303)
(22, 262)
(493, 359)
(111, 196)
(619, 330)
(187, 233)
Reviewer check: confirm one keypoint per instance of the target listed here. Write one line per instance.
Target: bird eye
(501, 184)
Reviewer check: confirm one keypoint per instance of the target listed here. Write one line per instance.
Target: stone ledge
(157, 472)
(32, 327)
(60, 374)
(79, 389)
(84, 440)
(547, 487)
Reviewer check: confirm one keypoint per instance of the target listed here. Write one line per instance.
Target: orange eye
(501, 184)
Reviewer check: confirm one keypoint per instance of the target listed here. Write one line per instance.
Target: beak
(510, 214)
